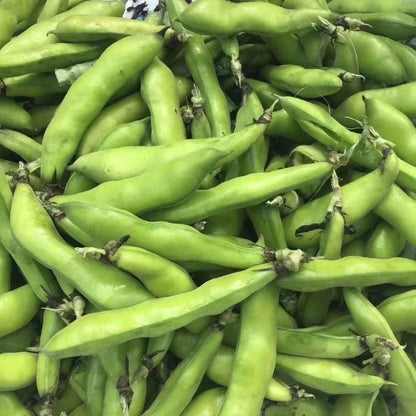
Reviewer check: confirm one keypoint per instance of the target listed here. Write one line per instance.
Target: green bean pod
(353, 108)
(8, 23)
(258, 18)
(184, 381)
(160, 276)
(401, 219)
(49, 57)
(94, 28)
(5, 270)
(38, 34)
(125, 162)
(73, 115)
(312, 407)
(308, 83)
(127, 109)
(384, 242)
(241, 192)
(202, 69)
(18, 370)
(47, 369)
(94, 391)
(354, 405)
(366, 6)
(359, 197)
(185, 172)
(179, 242)
(207, 403)
(165, 116)
(18, 307)
(19, 340)
(51, 8)
(351, 271)
(399, 130)
(330, 376)
(157, 316)
(40, 279)
(220, 368)
(406, 55)
(21, 11)
(394, 25)
(402, 371)
(133, 133)
(255, 354)
(19, 143)
(31, 85)
(97, 281)
(12, 405)
(13, 116)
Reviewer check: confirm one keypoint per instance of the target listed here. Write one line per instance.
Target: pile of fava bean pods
(208, 210)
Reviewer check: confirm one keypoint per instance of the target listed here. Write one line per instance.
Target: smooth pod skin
(176, 242)
(73, 115)
(184, 381)
(18, 307)
(8, 23)
(220, 368)
(31, 85)
(329, 376)
(47, 369)
(315, 345)
(95, 386)
(160, 276)
(401, 219)
(308, 407)
(401, 369)
(221, 18)
(382, 64)
(18, 370)
(127, 134)
(20, 144)
(49, 57)
(99, 330)
(385, 242)
(167, 125)
(125, 162)
(346, 6)
(38, 34)
(207, 403)
(12, 405)
(398, 311)
(151, 189)
(308, 83)
(5, 270)
(104, 285)
(402, 97)
(255, 354)
(13, 116)
(394, 25)
(21, 11)
(359, 198)
(51, 8)
(406, 55)
(354, 405)
(125, 110)
(317, 123)
(40, 279)
(201, 66)
(350, 271)
(94, 28)
(19, 340)
(399, 129)
(241, 192)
